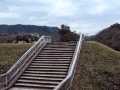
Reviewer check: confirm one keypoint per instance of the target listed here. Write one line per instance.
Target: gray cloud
(86, 16)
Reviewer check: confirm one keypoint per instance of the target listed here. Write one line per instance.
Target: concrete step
(68, 45)
(55, 55)
(44, 72)
(34, 85)
(41, 78)
(51, 59)
(61, 49)
(55, 51)
(38, 82)
(58, 50)
(28, 88)
(52, 62)
(43, 75)
(59, 46)
(50, 67)
(47, 53)
(46, 64)
(64, 43)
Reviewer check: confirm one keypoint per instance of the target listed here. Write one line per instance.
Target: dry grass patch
(10, 53)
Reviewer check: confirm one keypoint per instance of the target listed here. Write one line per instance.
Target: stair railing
(66, 83)
(9, 75)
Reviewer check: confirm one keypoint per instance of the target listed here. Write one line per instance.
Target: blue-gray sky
(83, 16)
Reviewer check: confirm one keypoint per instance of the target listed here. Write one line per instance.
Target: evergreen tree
(66, 35)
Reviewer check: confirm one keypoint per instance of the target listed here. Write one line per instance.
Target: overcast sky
(83, 16)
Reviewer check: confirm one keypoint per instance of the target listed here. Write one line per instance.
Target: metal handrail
(66, 83)
(6, 78)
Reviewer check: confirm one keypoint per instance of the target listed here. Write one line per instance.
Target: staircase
(48, 69)
(45, 66)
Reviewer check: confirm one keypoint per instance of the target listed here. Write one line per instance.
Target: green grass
(98, 68)
(10, 53)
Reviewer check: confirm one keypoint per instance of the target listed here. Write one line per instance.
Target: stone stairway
(48, 69)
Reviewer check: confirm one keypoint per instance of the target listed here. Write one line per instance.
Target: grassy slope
(98, 68)
(9, 53)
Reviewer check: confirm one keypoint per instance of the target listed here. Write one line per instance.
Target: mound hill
(98, 68)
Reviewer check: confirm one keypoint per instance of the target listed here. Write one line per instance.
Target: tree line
(10, 33)
(17, 29)
(109, 36)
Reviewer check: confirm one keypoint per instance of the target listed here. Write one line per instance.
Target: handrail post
(49, 40)
(6, 79)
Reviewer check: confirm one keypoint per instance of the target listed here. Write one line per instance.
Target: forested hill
(110, 36)
(17, 29)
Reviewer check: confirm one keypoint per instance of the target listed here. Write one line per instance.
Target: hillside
(98, 68)
(9, 53)
(19, 28)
